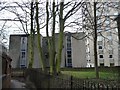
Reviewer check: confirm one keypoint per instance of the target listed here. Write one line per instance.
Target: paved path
(17, 84)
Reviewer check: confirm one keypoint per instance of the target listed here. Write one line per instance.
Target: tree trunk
(48, 38)
(60, 39)
(31, 45)
(95, 43)
(53, 39)
(42, 62)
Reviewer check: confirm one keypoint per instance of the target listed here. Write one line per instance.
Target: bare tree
(62, 20)
(96, 24)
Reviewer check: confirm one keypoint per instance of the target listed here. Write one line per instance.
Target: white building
(107, 42)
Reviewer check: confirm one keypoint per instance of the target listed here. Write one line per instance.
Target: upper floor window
(110, 56)
(100, 43)
(110, 51)
(23, 40)
(68, 38)
(68, 44)
(23, 55)
(100, 38)
(69, 52)
(100, 56)
(23, 43)
(100, 47)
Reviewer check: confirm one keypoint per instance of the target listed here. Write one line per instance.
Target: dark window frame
(101, 56)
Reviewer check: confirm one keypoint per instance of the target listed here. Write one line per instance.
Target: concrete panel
(78, 53)
(14, 50)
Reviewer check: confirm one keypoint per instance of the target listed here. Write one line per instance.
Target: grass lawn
(91, 74)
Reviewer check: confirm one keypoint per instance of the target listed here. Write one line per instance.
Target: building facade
(19, 51)
(73, 52)
(107, 33)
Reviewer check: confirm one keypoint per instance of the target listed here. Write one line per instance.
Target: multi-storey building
(107, 33)
(73, 52)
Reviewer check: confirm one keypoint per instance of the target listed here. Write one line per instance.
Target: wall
(78, 52)
(14, 50)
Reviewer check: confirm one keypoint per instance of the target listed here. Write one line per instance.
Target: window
(109, 33)
(23, 43)
(100, 38)
(68, 48)
(110, 51)
(88, 60)
(110, 42)
(69, 65)
(23, 66)
(68, 44)
(100, 42)
(68, 39)
(110, 56)
(111, 64)
(69, 55)
(87, 49)
(69, 60)
(100, 56)
(106, 10)
(101, 64)
(100, 47)
(69, 52)
(23, 55)
(100, 51)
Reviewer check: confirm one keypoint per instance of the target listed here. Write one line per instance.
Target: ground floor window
(101, 64)
(111, 64)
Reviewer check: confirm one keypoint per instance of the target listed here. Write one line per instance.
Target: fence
(42, 80)
(6, 70)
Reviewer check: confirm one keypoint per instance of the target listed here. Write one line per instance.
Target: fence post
(71, 82)
(48, 81)
(98, 86)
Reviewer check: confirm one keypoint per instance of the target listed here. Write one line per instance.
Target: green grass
(91, 74)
